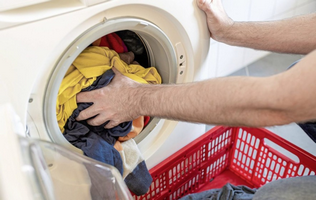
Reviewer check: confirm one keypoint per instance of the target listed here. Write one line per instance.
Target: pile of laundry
(91, 70)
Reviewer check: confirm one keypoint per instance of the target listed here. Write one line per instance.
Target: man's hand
(291, 35)
(217, 20)
(115, 103)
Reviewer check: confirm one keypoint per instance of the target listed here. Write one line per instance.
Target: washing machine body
(39, 42)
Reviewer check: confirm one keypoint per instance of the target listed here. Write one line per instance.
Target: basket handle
(262, 133)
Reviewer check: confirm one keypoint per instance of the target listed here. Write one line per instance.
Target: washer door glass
(38, 170)
(63, 174)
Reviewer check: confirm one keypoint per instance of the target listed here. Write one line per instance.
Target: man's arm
(293, 35)
(235, 101)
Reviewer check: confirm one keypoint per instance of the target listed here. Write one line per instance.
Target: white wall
(228, 59)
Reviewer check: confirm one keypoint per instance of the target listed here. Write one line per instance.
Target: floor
(272, 64)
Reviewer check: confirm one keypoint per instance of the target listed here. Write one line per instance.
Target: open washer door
(46, 171)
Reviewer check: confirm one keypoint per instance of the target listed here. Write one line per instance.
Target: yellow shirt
(91, 63)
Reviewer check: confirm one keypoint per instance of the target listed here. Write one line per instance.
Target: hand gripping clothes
(89, 65)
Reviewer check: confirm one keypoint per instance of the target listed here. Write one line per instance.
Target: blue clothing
(310, 129)
(139, 180)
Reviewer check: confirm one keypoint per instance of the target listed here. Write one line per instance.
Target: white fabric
(131, 156)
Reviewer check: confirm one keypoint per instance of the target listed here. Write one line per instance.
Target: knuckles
(94, 122)
(81, 116)
(112, 124)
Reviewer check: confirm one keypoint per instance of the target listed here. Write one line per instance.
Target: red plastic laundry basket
(240, 156)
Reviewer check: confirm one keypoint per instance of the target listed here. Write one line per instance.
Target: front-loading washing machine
(40, 40)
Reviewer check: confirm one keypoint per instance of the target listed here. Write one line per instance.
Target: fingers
(85, 97)
(98, 120)
(87, 113)
(111, 124)
(116, 71)
(204, 4)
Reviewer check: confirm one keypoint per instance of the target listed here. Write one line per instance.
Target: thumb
(201, 3)
(204, 5)
(116, 71)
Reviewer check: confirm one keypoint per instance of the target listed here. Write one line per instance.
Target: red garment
(146, 120)
(113, 41)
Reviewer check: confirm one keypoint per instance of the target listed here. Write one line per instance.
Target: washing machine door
(32, 169)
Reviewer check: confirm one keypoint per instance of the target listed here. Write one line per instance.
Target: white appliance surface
(40, 39)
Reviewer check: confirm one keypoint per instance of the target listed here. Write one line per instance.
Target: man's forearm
(293, 35)
(235, 101)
